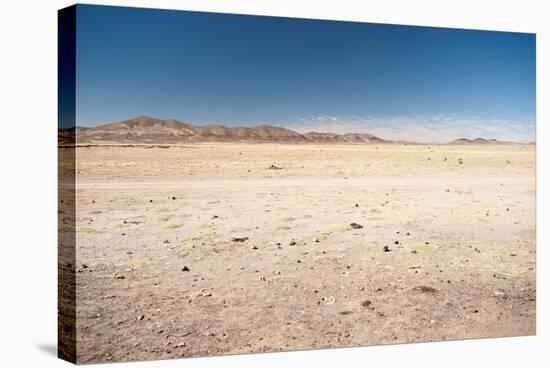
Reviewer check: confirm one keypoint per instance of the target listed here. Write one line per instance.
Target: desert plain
(226, 248)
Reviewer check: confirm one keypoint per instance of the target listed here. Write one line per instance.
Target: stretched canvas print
(234, 184)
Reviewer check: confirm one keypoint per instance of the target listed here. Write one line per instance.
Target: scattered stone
(141, 317)
(292, 242)
(513, 254)
(396, 242)
(173, 198)
(413, 251)
(346, 312)
(357, 205)
(180, 345)
(408, 233)
(424, 289)
(262, 278)
(254, 247)
(386, 248)
(460, 161)
(119, 277)
(204, 292)
(316, 240)
(273, 167)
(355, 225)
(366, 303)
(215, 217)
(166, 241)
(186, 269)
(240, 239)
(84, 265)
(330, 300)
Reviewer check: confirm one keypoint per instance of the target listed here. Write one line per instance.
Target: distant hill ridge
(478, 141)
(145, 129)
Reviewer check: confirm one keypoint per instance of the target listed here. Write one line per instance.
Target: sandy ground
(206, 250)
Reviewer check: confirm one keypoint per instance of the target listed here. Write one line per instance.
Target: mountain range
(145, 129)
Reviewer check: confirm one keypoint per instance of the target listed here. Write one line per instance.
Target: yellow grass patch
(337, 227)
(202, 235)
(421, 247)
(206, 225)
(172, 226)
(162, 209)
(287, 219)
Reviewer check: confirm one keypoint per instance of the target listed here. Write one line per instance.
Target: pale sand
(471, 238)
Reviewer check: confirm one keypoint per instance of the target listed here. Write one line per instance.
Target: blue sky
(398, 82)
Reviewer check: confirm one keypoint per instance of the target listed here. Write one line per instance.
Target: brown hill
(477, 141)
(146, 129)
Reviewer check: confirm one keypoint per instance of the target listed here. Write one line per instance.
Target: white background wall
(28, 186)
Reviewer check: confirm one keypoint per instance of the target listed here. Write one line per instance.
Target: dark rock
(425, 289)
(366, 303)
(355, 225)
(186, 269)
(240, 239)
(386, 248)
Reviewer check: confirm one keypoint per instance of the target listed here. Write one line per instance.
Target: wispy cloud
(428, 128)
